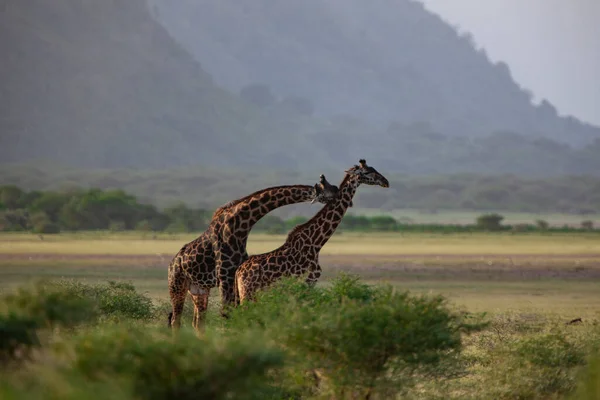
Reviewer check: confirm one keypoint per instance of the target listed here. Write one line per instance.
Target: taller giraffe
(299, 255)
(212, 258)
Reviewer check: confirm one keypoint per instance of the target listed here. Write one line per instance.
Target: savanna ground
(528, 286)
(482, 272)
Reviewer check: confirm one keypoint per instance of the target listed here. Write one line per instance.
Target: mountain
(382, 61)
(101, 83)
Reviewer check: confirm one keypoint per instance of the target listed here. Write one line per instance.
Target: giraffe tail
(170, 319)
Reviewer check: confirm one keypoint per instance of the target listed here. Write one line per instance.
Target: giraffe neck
(249, 210)
(318, 230)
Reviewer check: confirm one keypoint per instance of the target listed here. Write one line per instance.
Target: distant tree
(294, 221)
(490, 222)
(50, 203)
(271, 224)
(542, 224)
(299, 105)
(521, 228)
(354, 222)
(46, 227)
(144, 226)
(182, 218)
(383, 223)
(10, 196)
(14, 220)
(116, 226)
(258, 94)
(589, 225)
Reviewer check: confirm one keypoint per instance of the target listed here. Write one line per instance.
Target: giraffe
(299, 255)
(211, 259)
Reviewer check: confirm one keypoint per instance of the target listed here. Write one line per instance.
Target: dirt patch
(481, 267)
(513, 267)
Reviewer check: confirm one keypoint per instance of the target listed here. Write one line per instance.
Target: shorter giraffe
(299, 255)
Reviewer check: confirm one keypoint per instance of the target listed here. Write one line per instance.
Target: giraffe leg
(178, 287)
(200, 299)
(226, 266)
(247, 282)
(313, 275)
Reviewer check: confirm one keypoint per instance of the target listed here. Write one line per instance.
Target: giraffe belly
(197, 290)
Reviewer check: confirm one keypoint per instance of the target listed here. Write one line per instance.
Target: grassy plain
(376, 244)
(557, 273)
(528, 284)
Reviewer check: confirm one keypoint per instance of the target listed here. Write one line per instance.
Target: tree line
(96, 209)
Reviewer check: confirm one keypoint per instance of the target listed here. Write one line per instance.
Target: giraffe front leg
(313, 275)
(226, 264)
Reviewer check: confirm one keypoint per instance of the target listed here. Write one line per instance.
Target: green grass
(70, 340)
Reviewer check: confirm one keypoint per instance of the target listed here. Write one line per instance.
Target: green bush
(45, 226)
(542, 224)
(67, 303)
(587, 225)
(14, 220)
(51, 305)
(536, 366)
(58, 385)
(363, 340)
(490, 222)
(159, 365)
(271, 224)
(114, 300)
(17, 336)
(550, 350)
(588, 386)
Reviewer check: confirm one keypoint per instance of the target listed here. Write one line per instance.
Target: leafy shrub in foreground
(588, 387)
(46, 382)
(69, 303)
(51, 305)
(538, 366)
(115, 299)
(17, 336)
(160, 366)
(364, 340)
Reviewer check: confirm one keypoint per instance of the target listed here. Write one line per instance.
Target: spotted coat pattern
(299, 255)
(212, 259)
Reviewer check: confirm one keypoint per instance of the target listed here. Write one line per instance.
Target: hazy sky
(551, 46)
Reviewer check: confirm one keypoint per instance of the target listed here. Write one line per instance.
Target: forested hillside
(383, 60)
(208, 188)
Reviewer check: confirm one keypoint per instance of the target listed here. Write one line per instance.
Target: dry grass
(482, 272)
(340, 244)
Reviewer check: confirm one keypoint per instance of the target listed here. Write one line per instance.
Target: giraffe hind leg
(178, 288)
(200, 299)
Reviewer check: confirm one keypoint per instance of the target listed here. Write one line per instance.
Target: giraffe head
(368, 175)
(326, 192)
